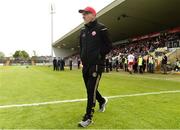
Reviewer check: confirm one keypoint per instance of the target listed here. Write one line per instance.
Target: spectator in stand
(78, 62)
(135, 65)
(70, 63)
(144, 64)
(117, 64)
(123, 62)
(164, 63)
(140, 64)
(107, 64)
(151, 64)
(177, 65)
(110, 63)
(126, 64)
(130, 62)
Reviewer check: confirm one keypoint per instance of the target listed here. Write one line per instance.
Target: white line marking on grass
(81, 100)
(149, 77)
(166, 79)
(143, 94)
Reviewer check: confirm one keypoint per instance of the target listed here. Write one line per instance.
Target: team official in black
(94, 45)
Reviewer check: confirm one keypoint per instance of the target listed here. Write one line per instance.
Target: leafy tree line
(21, 55)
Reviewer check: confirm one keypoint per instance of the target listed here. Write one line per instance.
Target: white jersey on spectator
(130, 58)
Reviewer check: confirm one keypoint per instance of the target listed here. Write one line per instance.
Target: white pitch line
(143, 94)
(81, 100)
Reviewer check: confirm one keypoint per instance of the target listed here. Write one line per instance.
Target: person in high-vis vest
(140, 64)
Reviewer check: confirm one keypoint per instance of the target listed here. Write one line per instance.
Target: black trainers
(85, 122)
(102, 107)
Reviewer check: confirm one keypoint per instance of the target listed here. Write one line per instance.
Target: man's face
(88, 17)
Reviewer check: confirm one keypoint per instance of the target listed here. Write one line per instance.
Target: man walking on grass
(94, 45)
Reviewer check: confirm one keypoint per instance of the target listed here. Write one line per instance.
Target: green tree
(24, 54)
(2, 55)
(21, 55)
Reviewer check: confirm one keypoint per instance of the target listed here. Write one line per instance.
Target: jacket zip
(86, 45)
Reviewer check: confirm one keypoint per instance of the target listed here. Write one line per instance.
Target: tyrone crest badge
(93, 33)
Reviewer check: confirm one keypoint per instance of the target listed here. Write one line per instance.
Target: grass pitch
(21, 85)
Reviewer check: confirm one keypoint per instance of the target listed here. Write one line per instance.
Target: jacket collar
(91, 24)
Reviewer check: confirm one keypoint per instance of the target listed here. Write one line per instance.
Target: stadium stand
(155, 45)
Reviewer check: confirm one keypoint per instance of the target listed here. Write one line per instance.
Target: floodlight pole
(52, 29)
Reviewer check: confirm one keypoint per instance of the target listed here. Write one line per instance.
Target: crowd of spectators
(117, 58)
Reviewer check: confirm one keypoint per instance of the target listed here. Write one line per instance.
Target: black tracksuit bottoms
(92, 75)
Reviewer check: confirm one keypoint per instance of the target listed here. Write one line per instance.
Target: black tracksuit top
(94, 43)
